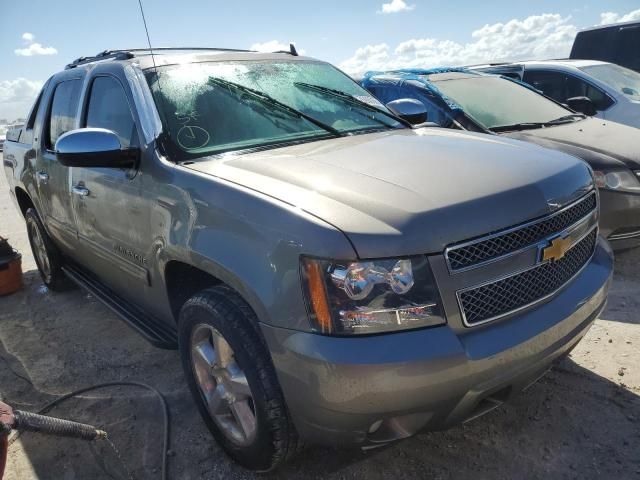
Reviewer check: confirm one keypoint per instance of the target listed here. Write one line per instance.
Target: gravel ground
(580, 421)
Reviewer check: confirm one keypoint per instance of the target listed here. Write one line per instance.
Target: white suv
(613, 90)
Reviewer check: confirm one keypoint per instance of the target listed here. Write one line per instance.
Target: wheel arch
(24, 200)
(182, 280)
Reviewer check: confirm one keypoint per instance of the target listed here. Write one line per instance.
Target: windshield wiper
(353, 101)
(276, 103)
(574, 117)
(517, 126)
(533, 125)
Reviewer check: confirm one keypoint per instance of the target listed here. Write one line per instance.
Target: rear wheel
(47, 257)
(233, 381)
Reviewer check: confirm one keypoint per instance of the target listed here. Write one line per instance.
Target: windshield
(621, 79)
(495, 102)
(217, 107)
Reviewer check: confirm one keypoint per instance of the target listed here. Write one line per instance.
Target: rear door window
(108, 108)
(64, 108)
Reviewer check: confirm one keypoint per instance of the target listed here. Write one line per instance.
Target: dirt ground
(580, 421)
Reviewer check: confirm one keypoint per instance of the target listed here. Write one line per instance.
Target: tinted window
(594, 45)
(561, 86)
(579, 88)
(628, 52)
(552, 84)
(63, 110)
(108, 108)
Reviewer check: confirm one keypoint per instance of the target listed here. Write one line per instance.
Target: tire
(219, 312)
(48, 258)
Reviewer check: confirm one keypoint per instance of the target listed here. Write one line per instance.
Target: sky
(356, 35)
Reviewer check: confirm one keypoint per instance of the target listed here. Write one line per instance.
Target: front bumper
(620, 218)
(376, 389)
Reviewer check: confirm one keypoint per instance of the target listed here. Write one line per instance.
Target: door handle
(43, 176)
(83, 192)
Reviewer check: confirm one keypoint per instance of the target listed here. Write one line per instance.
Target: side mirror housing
(582, 105)
(409, 109)
(94, 147)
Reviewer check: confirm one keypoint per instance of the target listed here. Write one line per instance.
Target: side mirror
(409, 109)
(582, 105)
(94, 147)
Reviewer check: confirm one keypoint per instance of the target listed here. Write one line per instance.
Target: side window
(63, 110)
(628, 41)
(552, 84)
(579, 88)
(108, 108)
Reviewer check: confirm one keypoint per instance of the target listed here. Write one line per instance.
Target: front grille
(499, 298)
(515, 239)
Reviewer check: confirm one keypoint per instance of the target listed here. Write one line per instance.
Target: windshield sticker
(191, 137)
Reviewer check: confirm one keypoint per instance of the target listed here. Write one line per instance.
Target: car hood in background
(602, 143)
(405, 192)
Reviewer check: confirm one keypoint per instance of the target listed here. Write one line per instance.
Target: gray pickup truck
(329, 274)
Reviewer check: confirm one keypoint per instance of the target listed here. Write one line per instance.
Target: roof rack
(114, 54)
(127, 53)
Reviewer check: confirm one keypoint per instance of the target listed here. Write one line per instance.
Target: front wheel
(233, 381)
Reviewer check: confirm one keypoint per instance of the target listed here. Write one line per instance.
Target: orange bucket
(10, 269)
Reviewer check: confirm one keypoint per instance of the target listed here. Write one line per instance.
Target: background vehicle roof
(610, 25)
(564, 62)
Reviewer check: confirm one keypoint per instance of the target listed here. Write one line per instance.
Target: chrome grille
(471, 254)
(489, 301)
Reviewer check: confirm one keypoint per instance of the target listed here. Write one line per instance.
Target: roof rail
(114, 54)
(127, 53)
(165, 49)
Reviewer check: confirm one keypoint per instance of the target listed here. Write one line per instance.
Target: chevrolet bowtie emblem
(558, 248)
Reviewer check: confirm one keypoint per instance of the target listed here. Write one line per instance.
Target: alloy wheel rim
(223, 385)
(42, 258)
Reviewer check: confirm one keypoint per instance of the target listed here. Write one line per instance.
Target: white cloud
(395, 6)
(33, 48)
(537, 36)
(17, 96)
(273, 46)
(611, 17)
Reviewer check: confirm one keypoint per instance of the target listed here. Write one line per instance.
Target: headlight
(620, 180)
(346, 298)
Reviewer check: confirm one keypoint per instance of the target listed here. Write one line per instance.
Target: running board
(158, 333)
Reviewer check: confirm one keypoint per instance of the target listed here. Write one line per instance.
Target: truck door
(52, 177)
(112, 212)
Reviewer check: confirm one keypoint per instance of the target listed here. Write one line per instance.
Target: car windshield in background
(496, 102)
(216, 107)
(621, 79)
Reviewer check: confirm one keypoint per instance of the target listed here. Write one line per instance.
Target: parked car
(327, 272)
(597, 88)
(615, 43)
(464, 99)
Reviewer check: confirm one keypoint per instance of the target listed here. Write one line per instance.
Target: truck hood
(405, 192)
(603, 144)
